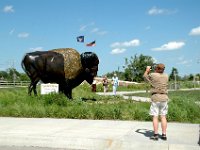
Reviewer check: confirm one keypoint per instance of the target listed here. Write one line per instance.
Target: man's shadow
(145, 132)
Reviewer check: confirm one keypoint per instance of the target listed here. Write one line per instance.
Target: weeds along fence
(16, 83)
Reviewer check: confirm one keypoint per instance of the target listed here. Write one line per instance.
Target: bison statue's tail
(22, 64)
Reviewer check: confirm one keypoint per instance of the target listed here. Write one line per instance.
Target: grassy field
(183, 106)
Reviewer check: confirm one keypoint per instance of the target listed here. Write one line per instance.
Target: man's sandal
(154, 137)
(164, 137)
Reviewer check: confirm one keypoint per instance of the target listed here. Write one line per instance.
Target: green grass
(184, 106)
(15, 102)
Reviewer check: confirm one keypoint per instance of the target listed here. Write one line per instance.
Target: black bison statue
(64, 66)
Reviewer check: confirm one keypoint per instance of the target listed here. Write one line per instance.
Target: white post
(175, 86)
(194, 80)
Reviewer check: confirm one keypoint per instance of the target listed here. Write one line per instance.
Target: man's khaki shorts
(158, 108)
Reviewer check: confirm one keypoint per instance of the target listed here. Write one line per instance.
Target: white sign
(49, 88)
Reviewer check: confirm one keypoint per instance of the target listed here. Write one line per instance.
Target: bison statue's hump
(72, 62)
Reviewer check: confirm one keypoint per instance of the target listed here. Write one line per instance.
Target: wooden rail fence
(11, 83)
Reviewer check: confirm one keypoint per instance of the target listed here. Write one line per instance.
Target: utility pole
(14, 75)
(12, 66)
(175, 84)
(194, 80)
(133, 71)
(118, 69)
(194, 76)
(198, 61)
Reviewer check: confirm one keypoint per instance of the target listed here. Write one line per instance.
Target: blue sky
(169, 30)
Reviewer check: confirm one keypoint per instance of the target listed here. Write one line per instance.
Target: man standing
(159, 97)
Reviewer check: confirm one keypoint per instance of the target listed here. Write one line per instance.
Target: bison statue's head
(89, 61)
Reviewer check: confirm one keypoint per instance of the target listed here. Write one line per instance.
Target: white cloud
(170, 46)
(37, 49)
(102, 32)
(95, 30)
(155, 60)
(23, 35)
(8, 9)
(98, 31)
(181, 58)
(155, 11)
(120, 47)
(147, 27)
(132, 43)
(11, 31)
(185, 62)
(159, 11)
(195, 31)
(84, 27)
(116, 44)
(92, 29)
(118, 50)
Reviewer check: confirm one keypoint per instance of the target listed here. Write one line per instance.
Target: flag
(91, 44)
(80, 39)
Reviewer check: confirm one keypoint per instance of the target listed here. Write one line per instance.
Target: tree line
(133, 70)
(135, 66)
(11, 74)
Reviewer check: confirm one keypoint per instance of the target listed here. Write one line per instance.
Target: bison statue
(64, 66)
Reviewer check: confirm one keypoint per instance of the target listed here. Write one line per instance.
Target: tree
(198, 76)
(13, 74)
(174, 74)
(3, 75)
(24, 77)
(135, 67)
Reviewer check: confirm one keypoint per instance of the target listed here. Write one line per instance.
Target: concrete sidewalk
(123, 94)
(65, 134)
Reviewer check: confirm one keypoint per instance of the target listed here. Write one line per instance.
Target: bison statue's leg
(33, 85)
(61, 88)
(68, 94)
(65, 88)
(30, 88)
